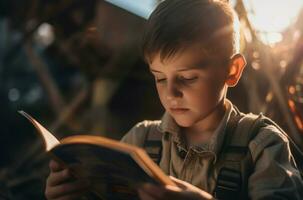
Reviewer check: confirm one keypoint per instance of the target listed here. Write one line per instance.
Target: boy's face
(189, 86)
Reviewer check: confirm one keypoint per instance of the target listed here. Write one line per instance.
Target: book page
(114, 169)
(49, 139)
(138, 154)
(113, 174)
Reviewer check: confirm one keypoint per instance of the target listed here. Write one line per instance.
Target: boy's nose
(173, 92)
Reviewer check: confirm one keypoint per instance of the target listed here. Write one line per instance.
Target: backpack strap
(153, 144)
(235, 165)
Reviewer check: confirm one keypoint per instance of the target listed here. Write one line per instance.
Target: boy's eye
(159, 80)
(188, 79)
(181, 78)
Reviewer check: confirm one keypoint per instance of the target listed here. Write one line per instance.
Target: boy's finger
(188, 187)
(55, 166)
(157, 192)
(73, 196)
(181, 184)
(167, 192)
(56, 178)
(144, 196)
(152, 189)
(71, 188)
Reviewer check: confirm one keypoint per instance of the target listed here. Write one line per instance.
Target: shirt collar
(168, 125)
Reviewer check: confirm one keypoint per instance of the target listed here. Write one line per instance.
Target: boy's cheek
(163, 98)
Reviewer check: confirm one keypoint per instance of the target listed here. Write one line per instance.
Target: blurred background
(75, 65)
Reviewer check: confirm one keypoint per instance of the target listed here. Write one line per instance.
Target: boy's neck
(204, 129)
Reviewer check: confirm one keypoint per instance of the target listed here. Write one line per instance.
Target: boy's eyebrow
(199, 65)
(179, 70)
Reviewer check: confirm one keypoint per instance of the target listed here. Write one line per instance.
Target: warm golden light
(269, 97)
(299, 122)
(297, 118)
(292, 90)
(291, 105)
(271, 17)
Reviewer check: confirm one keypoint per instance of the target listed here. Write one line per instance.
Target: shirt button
(182, 154)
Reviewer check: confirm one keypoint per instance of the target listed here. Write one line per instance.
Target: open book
(114, 169)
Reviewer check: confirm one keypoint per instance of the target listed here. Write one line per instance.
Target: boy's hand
(184, 191)
(60, 186)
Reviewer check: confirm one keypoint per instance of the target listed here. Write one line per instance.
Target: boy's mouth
(179, 110)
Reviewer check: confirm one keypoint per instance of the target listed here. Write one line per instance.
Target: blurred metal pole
(47, 81)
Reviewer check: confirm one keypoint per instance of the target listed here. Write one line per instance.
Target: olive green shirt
(275, 175)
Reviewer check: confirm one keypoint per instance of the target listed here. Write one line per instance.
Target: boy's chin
(184, 121)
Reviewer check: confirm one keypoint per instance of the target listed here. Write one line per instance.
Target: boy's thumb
(55, 166)
(181, 184)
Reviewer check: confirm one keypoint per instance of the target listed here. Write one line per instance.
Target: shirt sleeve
(136, 136)
(275, 174)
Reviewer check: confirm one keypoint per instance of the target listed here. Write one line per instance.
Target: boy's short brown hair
(177, 24)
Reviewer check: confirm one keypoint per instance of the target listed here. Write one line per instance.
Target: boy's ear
(235, 69)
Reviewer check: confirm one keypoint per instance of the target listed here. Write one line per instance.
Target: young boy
(192, 48)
